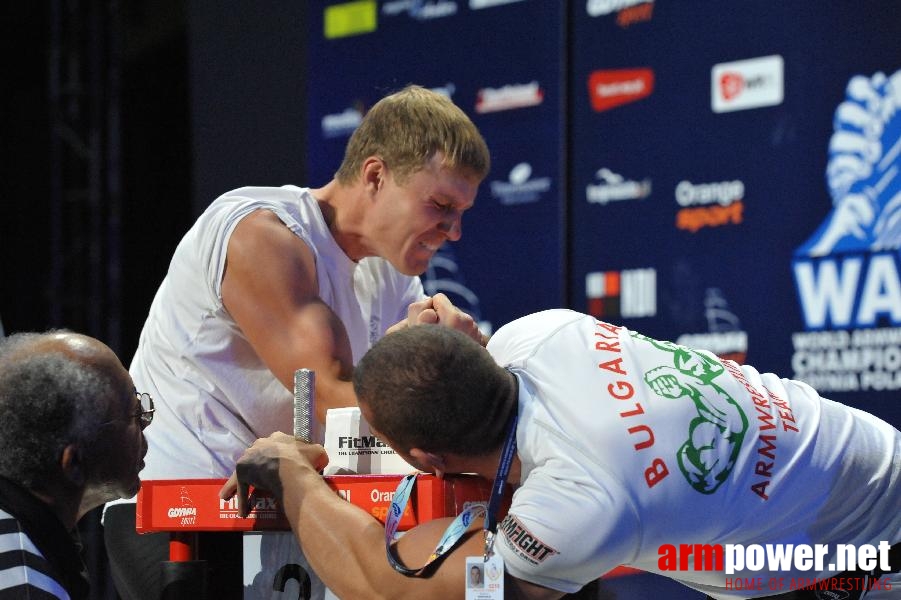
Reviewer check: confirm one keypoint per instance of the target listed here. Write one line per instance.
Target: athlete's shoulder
(521, 337)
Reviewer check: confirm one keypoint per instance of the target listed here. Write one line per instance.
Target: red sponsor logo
(609, 89)
(635, 14)
(731, 85)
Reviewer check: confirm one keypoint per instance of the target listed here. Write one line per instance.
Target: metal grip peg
(304, 389)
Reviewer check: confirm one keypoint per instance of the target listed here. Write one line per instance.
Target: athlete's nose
(452, 228)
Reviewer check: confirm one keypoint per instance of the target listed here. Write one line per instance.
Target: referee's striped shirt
(24, 572)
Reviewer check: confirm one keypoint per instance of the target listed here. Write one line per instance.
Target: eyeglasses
(144, 414)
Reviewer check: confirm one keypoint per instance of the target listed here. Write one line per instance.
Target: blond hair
(407, 128)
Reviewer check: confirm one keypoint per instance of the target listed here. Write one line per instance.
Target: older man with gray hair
(71, 439)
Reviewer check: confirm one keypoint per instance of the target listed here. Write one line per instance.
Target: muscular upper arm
(327, 525)
(271, 290)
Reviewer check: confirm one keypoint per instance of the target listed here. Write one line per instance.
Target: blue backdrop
(723, 174)
(504, 66)
(743, 108)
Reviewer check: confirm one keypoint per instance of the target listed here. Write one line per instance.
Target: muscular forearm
(333, 394)
(343, 544)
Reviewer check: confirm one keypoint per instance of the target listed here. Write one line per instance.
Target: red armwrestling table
(185, 507)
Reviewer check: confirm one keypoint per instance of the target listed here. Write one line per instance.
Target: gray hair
(48, 399)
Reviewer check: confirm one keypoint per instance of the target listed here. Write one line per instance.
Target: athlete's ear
(373, 173)
(432, 462)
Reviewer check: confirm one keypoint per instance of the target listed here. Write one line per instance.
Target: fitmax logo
(265, 504)
(368, 441)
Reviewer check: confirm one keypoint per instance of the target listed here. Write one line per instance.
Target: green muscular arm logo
(716, 434)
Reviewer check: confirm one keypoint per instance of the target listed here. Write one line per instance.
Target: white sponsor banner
(745, 84)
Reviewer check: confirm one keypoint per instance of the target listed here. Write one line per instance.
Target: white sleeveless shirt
(213, 395)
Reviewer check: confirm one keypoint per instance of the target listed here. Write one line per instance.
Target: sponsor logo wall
(756, 171)
(718, 175)
(501, 61)
(752, 150)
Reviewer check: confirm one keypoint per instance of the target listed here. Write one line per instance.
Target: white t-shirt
(213, 394)
(628, 444)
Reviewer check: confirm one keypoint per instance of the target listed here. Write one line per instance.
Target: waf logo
(862, 174)
(631, 293)
(609, 89)
(847, 272)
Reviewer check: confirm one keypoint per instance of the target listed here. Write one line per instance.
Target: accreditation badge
(484, 578)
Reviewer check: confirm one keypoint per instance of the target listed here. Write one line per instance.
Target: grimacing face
(416, 218)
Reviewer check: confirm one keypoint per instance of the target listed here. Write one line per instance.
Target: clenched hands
(264, 463)
(441, 311)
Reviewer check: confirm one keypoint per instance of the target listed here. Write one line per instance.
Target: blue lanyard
(457, 529)
(500, 480)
